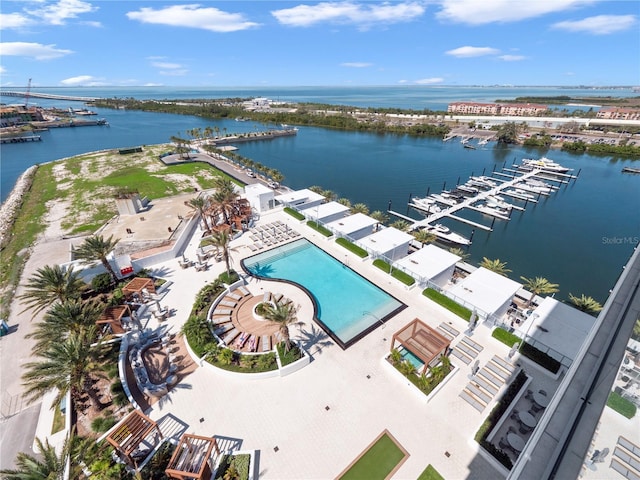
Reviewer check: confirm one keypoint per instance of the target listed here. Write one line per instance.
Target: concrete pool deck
(365, 395)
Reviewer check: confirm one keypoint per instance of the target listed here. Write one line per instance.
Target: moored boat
(445, 234)
(545, 164)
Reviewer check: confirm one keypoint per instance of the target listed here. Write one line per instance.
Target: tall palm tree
(221, 240)
(401, 225)
(537, 286)
(464, 256)
(495, 266)
(284, 314)
(585, 304)
(344, 201)
(316, 189)
(48, 464)
(63, 319)
(329, 195)
(224, 198)
(380, 216)
(360, 208)
(96, 247)
(424, 236)
(200, 204)
(51, 284)
(66, 366)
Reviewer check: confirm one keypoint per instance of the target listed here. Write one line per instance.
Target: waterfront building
(619, 113)
(511, 109)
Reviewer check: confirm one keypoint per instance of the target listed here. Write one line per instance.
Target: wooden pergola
(134, 437)
(191, 458)
(136, 287)
(421, 340)
(112, 316)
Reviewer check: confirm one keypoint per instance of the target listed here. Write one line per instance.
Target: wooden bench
(627, 458)
(489, 387)
(471, 344)
(471, 401)
(633, 448)
(478, 393)
(506, 365)
(497, 371)
(459, 354)
(448, 329)
(487, 375)
(623, 469)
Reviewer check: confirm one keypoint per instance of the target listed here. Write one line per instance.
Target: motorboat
(538, 186)
(486, 182)
(445, 199)
(467, 190)
(518, 192)
(544, 164)
(497, 201)
(497, 212)
(445, 234)
(428, 205)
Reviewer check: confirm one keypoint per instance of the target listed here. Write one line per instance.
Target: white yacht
(445, 199)
(494, 211)
(544, 164)
(467, 190)
(497, 201)
(426, 204)
(445, 234)
(483, 181)
(538, 186)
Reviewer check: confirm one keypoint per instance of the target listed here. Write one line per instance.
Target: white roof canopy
(325, 210)
(351, 224)
(299, 197)
(428, 262)
(385, 240)
(255, 189)
(485, 290)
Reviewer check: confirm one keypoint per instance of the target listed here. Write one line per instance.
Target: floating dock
(23, 139)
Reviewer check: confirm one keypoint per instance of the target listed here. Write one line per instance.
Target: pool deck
(365, 395)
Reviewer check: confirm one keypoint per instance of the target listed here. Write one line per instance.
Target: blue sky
(300, 43)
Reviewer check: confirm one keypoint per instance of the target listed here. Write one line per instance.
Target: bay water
(579, 237)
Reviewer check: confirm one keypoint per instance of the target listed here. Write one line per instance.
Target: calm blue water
(412, 358)
(579, 238)
(347, 304)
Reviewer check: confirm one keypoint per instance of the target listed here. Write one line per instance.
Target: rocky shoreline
(11, 206)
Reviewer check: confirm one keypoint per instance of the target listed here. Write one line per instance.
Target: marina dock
(22, 139)
(254, 136)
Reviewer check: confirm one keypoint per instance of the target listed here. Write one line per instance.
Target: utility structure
(26, 94)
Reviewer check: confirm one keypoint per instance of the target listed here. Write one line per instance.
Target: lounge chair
(253, 343)
(221, 319)
(243, 339)
(227, 303)
(222, 311)
(230, 336)
(234, 296)
(243, 290)
(266, 343)
(224, 329)
(266, 297)
(277, 297)
(252, 248)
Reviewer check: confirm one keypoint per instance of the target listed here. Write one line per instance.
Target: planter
(256, 315)
(253, 466)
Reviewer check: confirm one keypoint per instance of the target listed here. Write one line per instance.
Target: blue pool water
(413, 359)
(347, 305)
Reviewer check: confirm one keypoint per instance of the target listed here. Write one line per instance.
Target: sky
(329, 43)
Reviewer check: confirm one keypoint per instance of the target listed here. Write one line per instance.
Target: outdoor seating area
(134, 438)
(146, 383)
(116, 320)
(192, 459)
(270, 234)
(423, 341)
(139, 290)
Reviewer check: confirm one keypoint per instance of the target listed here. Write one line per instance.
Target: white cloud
(2, 69)
(82, 81)
(14, 20)
(193, 16)
(598, 25)
(166, 65)
(478, 12)
(429, 81)
(512, 58)
(356, 64)
(349, 13)
(467, 51)
(35, 50)
(174, 72)
(92, 24)
(57, 13)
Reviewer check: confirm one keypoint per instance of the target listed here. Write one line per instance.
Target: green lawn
(361, 252)
(377, 462)
(621, 405)
(447, 303)
(430, 473)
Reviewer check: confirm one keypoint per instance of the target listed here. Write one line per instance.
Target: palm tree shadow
(262, 270)
(315, 338)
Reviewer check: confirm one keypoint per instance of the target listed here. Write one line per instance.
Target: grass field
(377, 462)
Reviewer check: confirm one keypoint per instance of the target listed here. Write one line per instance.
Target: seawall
(11, 206)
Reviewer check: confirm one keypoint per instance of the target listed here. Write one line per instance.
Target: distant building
(19, 115)
(619, 113)
(511, 109)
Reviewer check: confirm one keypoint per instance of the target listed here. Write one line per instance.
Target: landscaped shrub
(295, 214)
(496, 414)
(101, 283)
(621, 405)
(230, 278)
(237, 464)
(118, 394)
(291, 356)
(319, 228)
(447, 303)
(382, 265)
(361, 252)
(395, 273)
(154, 470)
(508, 338)
(196, 331)
(541, 358)
(425, 383)
(102, 424)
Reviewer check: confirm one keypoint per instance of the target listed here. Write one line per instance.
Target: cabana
(191, 459)
(260, 197)
(423, 341)
(113, 317)
(390, 243)
(134, 438)
(139, 286)
(326, 212)
(430, 263)
(557, 326)
(354, 226)
(489, 293)
(300, 199)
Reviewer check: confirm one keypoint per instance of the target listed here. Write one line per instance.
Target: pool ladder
(374, 316)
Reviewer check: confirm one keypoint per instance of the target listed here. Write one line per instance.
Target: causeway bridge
(50, 96)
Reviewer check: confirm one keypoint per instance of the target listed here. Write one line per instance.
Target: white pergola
(388, 242)
(300, 199)
(353, 226)
(430, 263)
(326, 212)
(486, 291)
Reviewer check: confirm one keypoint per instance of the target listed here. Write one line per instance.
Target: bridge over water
(12, 93)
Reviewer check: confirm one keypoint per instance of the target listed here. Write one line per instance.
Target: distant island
(566, 99)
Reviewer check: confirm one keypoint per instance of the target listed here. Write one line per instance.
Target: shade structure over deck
(134, 435)
(137, 286)
(191, 459)
(421, 340)
(112, 316)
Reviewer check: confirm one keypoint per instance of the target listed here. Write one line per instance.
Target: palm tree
(224, 198)
(344, 201)
(49, 285)
(316, 189)
(464, 256)
(66, 366)
(424, 236)
(360, 208)
(380, 216)
(585, 304)
(200, 204)
(63, 319)
(221, 241)
(96, 247)
(401, 225)
(537, 286)
(49, 464)
(329, 195)
(284, 314)
(495, 266)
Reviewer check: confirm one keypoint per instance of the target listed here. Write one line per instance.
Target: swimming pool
(348, 306)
